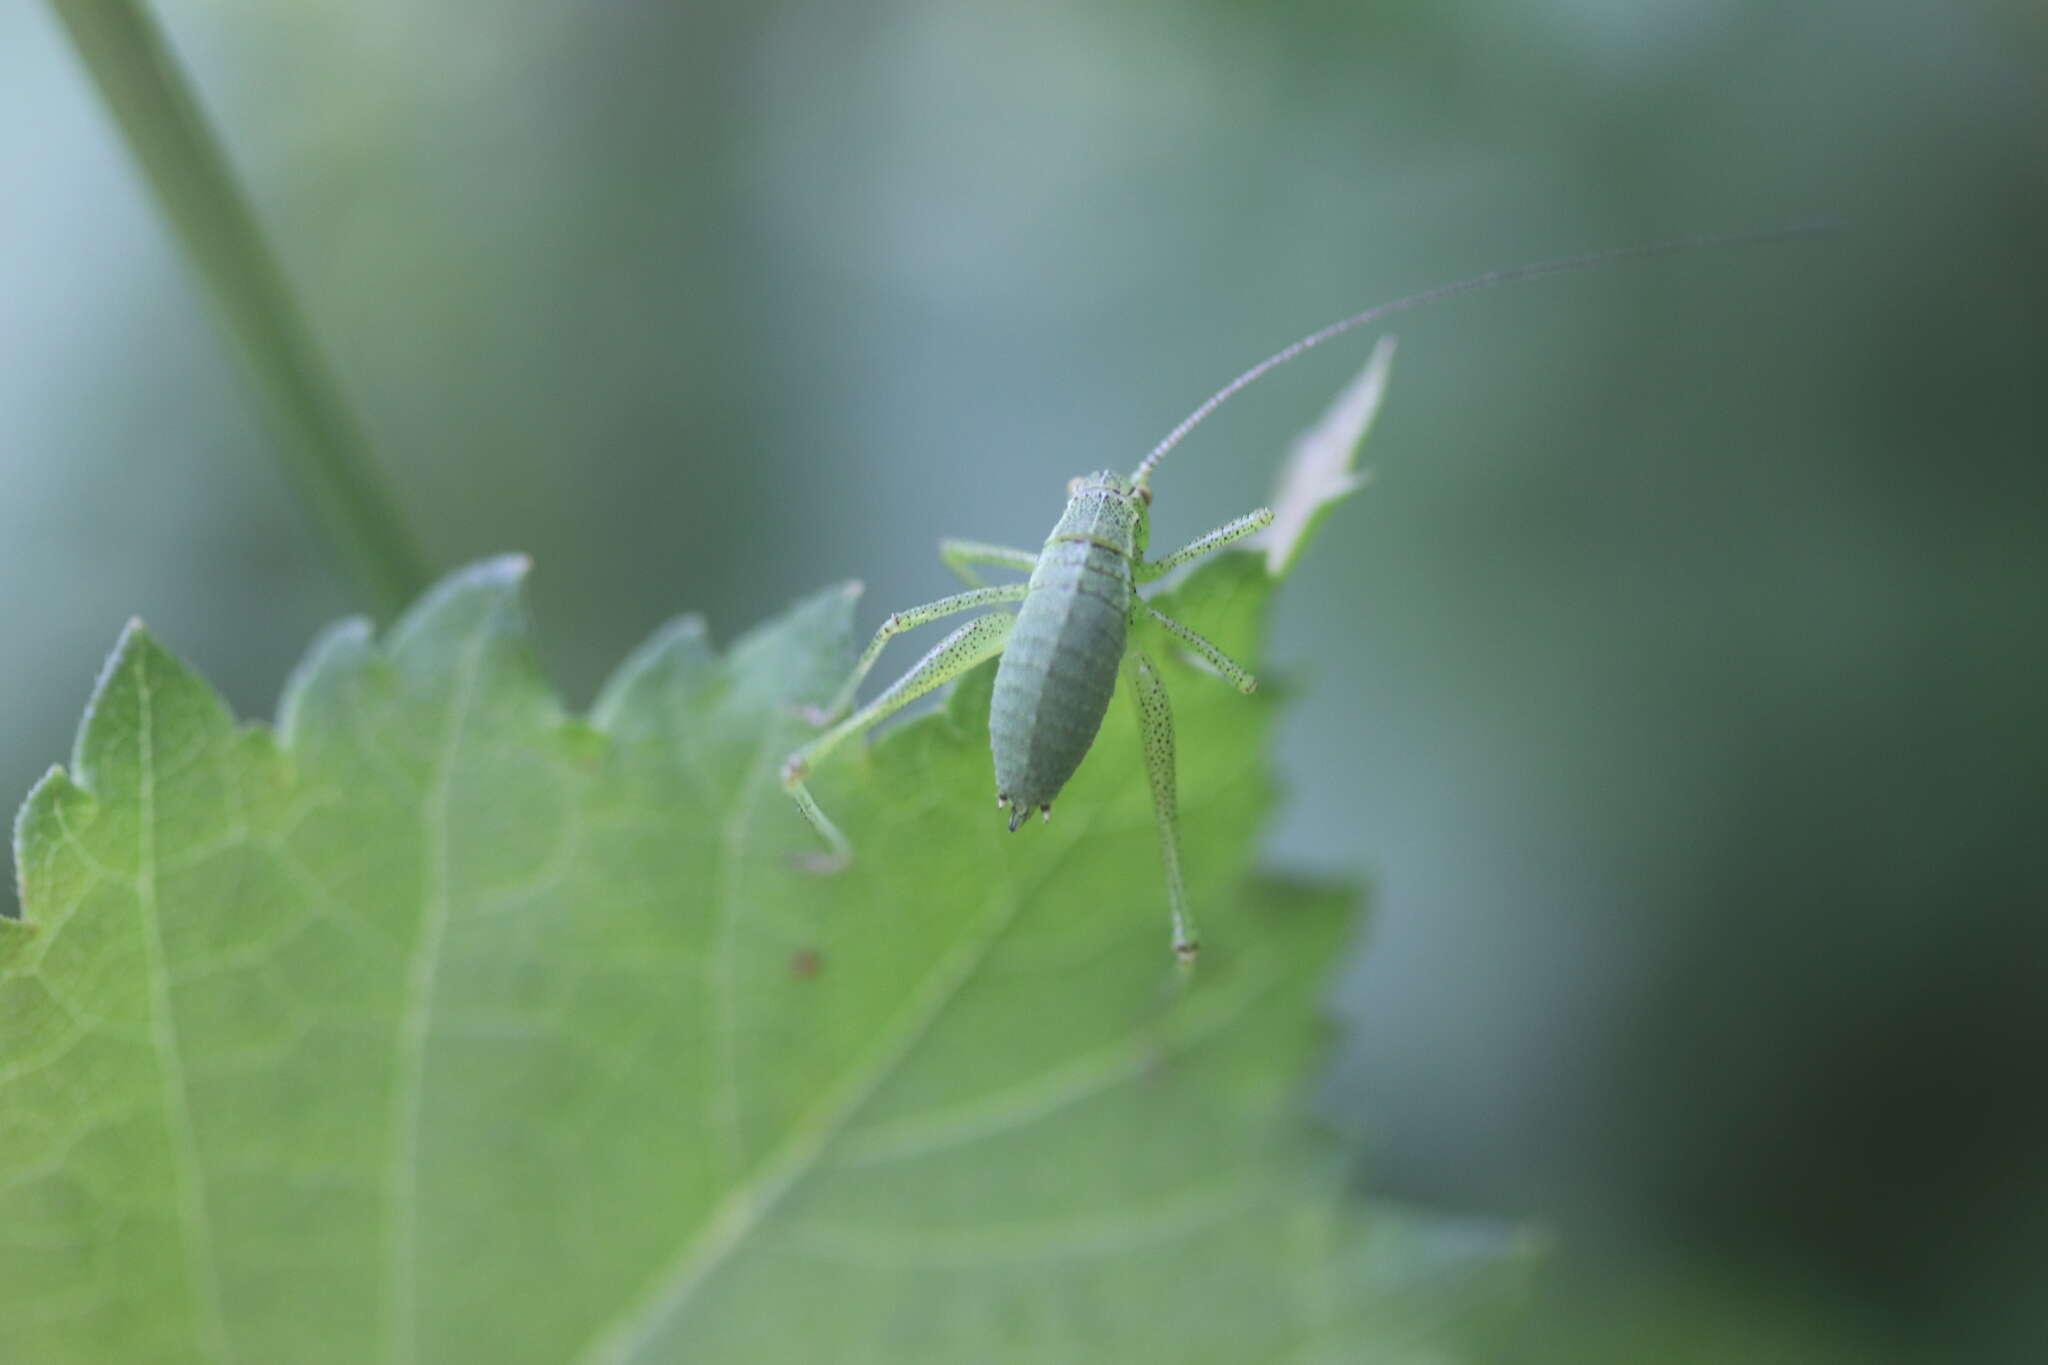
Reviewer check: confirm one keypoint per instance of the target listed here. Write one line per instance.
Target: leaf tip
(139, 674)
(680, 632)
(475, 596)
(500, 573)
(132, 641)
(514, 566)
(39, 813)
(350, 632)
(336, 650)
(677, 649)
(1321, 469)
(132, 647)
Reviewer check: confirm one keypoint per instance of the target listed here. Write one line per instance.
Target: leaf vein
(196, 1231)
(1106, 1232)
(409, 1064)
(1059, 1087)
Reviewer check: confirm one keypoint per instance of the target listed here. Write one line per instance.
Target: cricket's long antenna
(1564, 265)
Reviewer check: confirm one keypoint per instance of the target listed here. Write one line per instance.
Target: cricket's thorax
(1101, 516)
(1059, 669)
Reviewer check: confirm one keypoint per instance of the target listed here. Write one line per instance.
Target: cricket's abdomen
(1058, 672)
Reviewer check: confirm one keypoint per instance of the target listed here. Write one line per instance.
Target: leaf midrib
(194, 1218)
(401, 1182)
(622, 1339)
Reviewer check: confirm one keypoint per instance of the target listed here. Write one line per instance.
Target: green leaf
(1322, 467)
(443, 1026)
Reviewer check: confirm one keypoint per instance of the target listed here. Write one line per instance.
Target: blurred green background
(1679, 684)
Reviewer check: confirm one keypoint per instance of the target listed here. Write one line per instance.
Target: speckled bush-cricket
(1079, 615)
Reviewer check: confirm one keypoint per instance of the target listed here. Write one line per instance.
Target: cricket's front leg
(962, 555)
(980, 639)
(1207, 545)
(900, 621)
(1155, 729)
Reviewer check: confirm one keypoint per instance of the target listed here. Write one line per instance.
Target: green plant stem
(324, 453)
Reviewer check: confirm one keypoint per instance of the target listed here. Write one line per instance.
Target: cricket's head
(1109, 497)
(1110, 482)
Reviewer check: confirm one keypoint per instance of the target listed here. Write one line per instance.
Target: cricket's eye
(1074, 486)
(1144, 495)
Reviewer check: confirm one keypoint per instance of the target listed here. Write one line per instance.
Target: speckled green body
(1055, 678)
(1059, 660)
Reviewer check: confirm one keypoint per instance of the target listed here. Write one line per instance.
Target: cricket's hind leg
(1155, 728)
